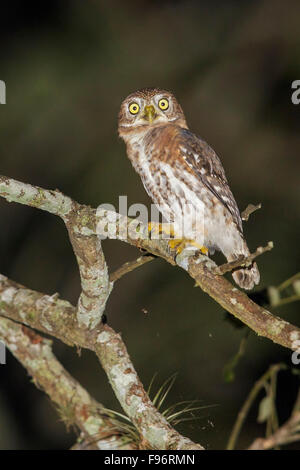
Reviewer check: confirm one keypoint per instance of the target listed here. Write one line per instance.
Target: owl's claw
(180, 245)
(177, 244)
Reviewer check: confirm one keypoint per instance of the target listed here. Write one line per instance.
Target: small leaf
(265, 409)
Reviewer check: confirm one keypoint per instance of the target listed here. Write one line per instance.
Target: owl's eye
(163, 104)
(134, 108)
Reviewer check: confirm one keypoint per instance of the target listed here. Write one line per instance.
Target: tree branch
(130, 266)
(91, 262)
(202, 270)
(76, 406)
(56, 317)
(81, 326)
(95, 284)
(249, 210)
(87, 222)
(273, 370)
(51, 201)
(288, 433)
(243, 261)
(125, 382)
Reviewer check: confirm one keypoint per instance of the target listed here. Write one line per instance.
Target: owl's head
(149, 107)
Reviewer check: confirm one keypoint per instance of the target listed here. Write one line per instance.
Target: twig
(249, 210)
(248, 403)
(229, 368)
(130, 266)
(273, 422)
(288, 282)
(243, 261)
(286, 300)
(275, 293)
(296, 408)
(286, 434)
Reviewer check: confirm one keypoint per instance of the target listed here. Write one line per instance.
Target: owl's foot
(180, 245)
(154, 228)
(177, 244)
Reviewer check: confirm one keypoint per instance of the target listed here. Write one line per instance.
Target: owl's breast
(144, 155)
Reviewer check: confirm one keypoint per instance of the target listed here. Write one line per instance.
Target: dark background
(67, 66)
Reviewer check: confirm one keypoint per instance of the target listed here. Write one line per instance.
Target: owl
(184, 177)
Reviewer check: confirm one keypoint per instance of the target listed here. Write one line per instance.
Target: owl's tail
(246, 278)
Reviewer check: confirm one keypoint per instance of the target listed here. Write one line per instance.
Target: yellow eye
(163, 104)
(134, 108)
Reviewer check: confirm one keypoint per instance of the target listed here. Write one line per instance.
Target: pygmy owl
(183, 176)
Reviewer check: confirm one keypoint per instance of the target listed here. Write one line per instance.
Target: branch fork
(82, 326)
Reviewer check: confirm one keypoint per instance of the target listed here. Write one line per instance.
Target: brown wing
(205, 163)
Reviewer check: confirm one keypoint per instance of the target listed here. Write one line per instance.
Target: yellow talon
(176, 245)
(180, 245)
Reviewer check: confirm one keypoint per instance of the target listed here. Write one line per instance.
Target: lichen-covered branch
(76, 407)
(56, 317)
(203, 270)
(95, 284)
(129, 390)
(51, 201)
(242, 307)
(87, 222)
(46, 313)
(82, 327)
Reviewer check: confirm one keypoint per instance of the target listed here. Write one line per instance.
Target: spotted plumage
(183, 176)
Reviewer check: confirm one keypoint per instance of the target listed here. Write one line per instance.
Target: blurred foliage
(67, 66)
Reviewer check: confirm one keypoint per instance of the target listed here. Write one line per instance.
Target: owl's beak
(149, 113)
